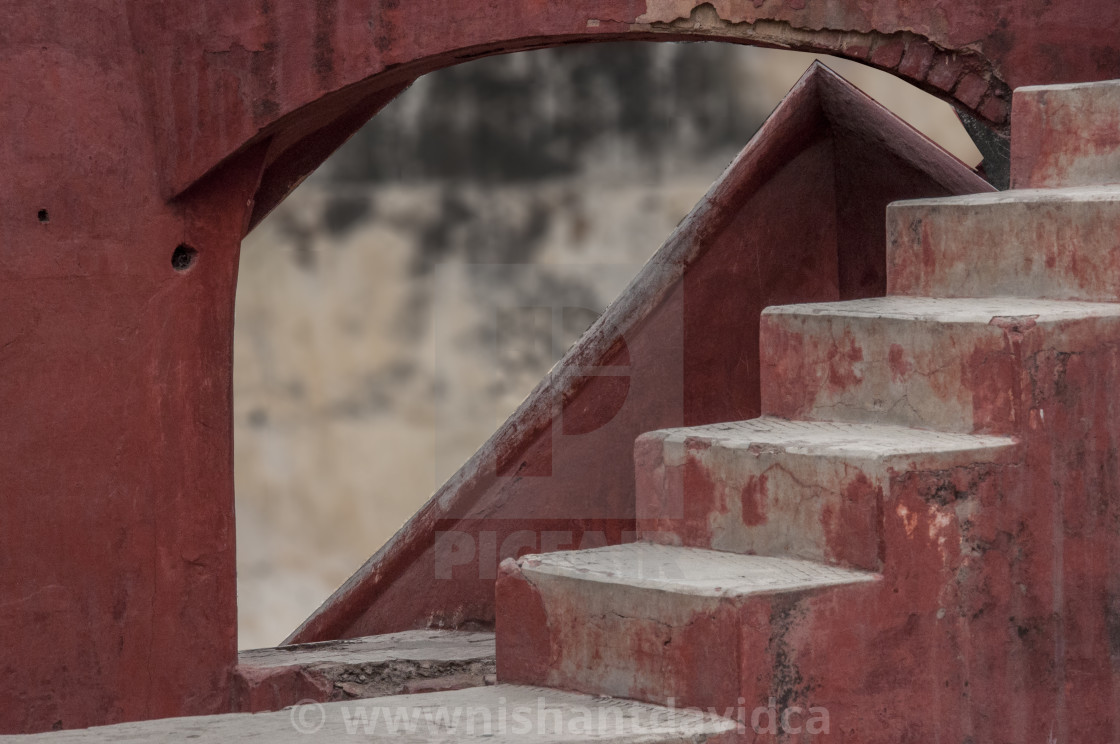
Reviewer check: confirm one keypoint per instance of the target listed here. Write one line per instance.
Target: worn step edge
(978, 311)
(855, 441)
(655, 622)
(373, 666)
(696, 572)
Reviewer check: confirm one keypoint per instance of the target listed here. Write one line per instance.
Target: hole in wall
(183, 257)
(44, 216)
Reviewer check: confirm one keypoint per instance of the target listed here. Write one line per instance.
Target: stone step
(373, 666)
(1065, 135)
(502, 713)
(1061, 244)
(811, 490)
(956, 365)
(652, 622)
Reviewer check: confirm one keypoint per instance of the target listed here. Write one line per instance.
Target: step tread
(690, 571)
(836, 439)
(1064, 195)
(965, 311)
(411, 645)
(507, 707)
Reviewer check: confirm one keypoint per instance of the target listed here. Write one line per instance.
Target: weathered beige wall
(361, 385)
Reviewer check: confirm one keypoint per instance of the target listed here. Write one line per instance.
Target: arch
(359, 55)
(965, 79)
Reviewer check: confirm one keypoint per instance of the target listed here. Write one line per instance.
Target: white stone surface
(688, 571)
(516, 715)
(839, 439)
(973, 311)
(412, 645)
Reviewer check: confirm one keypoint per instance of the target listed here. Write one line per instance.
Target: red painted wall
(137, 125)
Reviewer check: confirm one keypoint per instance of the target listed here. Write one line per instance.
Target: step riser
(953, 377)
(765, 501)
(925, 375)
(757, 502)
(1065, 136)
(629, 644)
(1060, 250)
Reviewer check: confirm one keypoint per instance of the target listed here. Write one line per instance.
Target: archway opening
(366, 372)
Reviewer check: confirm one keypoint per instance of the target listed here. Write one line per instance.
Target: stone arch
(299, 126)
(964, 79)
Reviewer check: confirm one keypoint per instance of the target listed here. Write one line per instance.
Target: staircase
(919, 540)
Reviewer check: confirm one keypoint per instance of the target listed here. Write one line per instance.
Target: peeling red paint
(993, 375)
(842, 360)
(753, 498)
(900, 366)
(852, 532)
(524, 647)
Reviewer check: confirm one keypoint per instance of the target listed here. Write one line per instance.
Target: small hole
(183, 257)
(44, 217)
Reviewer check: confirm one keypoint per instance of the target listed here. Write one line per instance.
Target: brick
(916, 61)
(945, 71)
(971, 89)
(888, 53)
(855, 46)
(996, 109)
